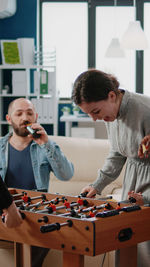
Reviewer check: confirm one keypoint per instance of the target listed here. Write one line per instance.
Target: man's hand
(12, 217)
(43, 139)
(91, 191)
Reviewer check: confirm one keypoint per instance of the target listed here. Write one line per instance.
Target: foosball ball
(78, 226)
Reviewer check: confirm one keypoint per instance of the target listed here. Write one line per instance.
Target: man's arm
(63, 169)
(61, 166)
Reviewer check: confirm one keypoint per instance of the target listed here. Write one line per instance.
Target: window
(147, 51)
(81, 32)
(112, 22)
(64, 26)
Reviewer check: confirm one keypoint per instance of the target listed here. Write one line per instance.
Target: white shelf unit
(51, 98)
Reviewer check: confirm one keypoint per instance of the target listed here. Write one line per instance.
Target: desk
(72, 118)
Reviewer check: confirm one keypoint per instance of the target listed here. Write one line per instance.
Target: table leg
(68, 128)
(128, 257)
(22, 255)
(73, 260)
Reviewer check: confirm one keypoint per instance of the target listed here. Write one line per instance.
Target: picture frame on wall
(11, 52)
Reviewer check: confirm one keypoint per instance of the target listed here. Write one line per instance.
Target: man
(26, 161)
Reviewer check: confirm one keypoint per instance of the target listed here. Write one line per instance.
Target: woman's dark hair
(93, 85)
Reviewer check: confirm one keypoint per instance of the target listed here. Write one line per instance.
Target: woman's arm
(12, 217)
(110, 171)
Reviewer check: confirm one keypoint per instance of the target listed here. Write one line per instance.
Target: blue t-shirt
(20, 172)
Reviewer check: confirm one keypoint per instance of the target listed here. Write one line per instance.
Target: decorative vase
(65, 113)
(75, 112)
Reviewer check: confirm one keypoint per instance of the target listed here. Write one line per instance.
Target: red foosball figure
(53, 206)
(67, 204)
(91, 213)
(118, 206)
(80, 201)
(25, 197)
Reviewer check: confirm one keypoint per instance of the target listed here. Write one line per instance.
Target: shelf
(41, 122)
(25, 66)
(3, 122)
(46, 104)
(28, 95)
(14, 95)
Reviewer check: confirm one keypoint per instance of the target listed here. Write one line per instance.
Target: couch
(87, 155)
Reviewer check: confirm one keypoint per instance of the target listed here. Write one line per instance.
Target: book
(36, 81)
(43, 82)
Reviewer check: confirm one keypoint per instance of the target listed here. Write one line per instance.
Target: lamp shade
(114, 49)
(134, 37)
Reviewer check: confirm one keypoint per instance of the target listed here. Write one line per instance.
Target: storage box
(19, 82)
(27, 50)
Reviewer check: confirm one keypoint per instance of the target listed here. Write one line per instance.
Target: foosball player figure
(118, 206)
(67, 204)
(63, 199)
(105, 208)
(80, 201)
(25, 198)
(73, 213)
(91, 214)
(53, 207)
(56, 200)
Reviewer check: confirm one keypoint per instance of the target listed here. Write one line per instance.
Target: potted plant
(76, 110)
(5, 90)
(65, 110)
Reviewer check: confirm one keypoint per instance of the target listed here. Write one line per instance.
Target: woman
(127, 118)
(8, 207)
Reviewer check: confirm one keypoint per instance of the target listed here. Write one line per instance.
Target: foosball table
(78, 226)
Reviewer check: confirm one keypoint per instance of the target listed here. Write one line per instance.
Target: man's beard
(23, 132)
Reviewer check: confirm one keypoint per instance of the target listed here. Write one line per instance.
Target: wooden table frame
(86, 237)
(22, 253)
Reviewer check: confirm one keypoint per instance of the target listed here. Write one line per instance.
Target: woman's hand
(144, 148)
(91, 191)
(137, 196)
